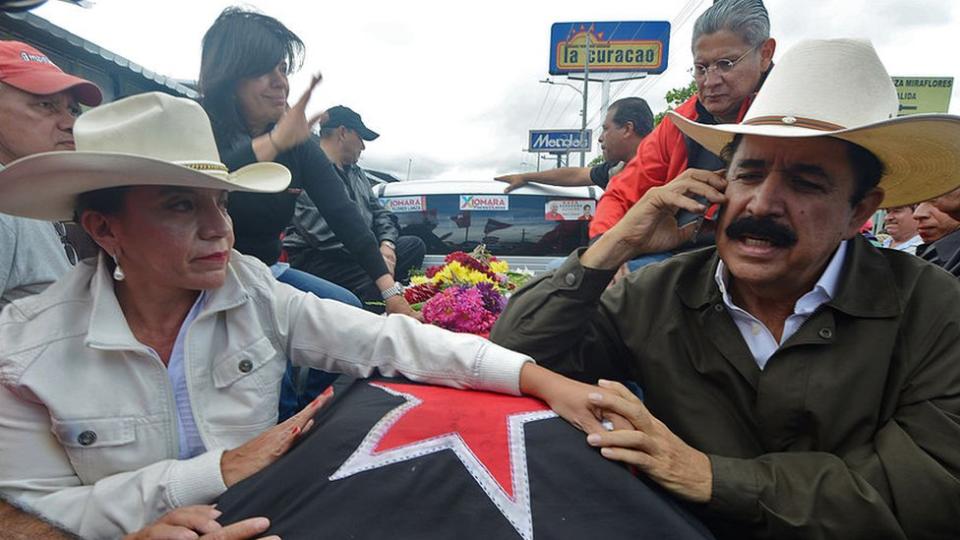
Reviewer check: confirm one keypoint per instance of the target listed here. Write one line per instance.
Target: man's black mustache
(761, 227)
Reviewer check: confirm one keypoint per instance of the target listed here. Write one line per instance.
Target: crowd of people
(798, 381)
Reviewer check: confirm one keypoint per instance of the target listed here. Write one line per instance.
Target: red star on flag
(483, 429)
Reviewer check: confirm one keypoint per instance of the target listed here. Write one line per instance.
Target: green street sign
(923, 94)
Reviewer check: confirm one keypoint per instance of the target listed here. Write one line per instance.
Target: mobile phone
(686, 217)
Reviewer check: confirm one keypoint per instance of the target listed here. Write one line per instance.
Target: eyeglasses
(68, 248)
(722, 65)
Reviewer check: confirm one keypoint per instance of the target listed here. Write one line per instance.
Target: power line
(542, 103)
(566, 107)
(639, 88)
(642, 87)
(553, 104)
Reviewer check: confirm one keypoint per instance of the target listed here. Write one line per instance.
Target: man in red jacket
(732, 53)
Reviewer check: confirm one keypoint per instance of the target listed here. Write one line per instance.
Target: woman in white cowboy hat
(148, 379)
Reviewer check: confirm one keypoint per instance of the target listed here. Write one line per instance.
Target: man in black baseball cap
(348, 118)
(312, 245)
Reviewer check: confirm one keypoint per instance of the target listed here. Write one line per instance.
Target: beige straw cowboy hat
(839, 88)
(147, 139)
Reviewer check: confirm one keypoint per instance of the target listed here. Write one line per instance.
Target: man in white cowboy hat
(797, 381)
(39, 104)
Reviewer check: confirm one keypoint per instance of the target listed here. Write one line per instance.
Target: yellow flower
(499, 267)
(476, 277)
(452, 273)
(418, 280)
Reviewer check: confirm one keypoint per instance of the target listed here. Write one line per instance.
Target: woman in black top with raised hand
(243, 81)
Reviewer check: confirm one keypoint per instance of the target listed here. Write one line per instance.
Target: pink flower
(460, 309)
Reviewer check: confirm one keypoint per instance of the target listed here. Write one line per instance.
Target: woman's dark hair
(107, 201)
(239, 45)
(867, 167)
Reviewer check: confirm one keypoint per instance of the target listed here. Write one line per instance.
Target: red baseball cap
(27, 69)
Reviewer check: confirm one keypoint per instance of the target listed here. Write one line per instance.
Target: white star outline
(516, 509)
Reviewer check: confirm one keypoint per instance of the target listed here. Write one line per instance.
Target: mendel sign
(560, 141)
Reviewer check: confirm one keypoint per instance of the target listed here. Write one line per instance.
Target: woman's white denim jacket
(88, 425)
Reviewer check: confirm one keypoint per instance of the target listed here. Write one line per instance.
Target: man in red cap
(39, 104)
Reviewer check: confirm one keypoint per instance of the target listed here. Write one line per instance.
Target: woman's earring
(117, 271)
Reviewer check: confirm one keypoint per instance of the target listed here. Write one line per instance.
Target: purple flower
(493, 301)
(461, 309)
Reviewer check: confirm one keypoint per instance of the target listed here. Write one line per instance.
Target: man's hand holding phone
(653, 224)
(704, 223)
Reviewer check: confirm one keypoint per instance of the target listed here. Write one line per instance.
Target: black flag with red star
(394, 459)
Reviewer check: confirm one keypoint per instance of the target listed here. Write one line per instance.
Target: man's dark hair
(867, 168)
(634, 110)
(327, 132)
(239, 45)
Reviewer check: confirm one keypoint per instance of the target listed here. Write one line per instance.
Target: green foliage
(674, 98)
(595, 161)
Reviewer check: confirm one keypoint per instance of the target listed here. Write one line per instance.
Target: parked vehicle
(532, 227)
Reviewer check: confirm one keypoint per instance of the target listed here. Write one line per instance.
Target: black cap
(346, 117)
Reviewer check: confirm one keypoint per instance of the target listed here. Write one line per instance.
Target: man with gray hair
(732, 54)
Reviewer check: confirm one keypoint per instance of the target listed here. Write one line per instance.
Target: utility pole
(602, 77)
(586, 86)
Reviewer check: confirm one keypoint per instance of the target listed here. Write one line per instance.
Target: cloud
(457, 90)
(882, 21)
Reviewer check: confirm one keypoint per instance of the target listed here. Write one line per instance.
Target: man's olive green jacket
(851, 431)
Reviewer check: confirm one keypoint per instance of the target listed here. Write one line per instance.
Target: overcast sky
(453, 86)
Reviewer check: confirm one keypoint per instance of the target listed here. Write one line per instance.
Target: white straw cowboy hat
(146, 139)
(839, 88)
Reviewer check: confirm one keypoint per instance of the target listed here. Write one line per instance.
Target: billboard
(923, 94)
(560, 141)
(615, 47)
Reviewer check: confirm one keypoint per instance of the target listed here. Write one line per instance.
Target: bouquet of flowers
(466, 293)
